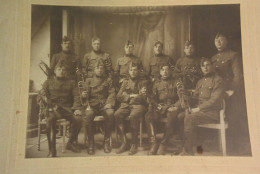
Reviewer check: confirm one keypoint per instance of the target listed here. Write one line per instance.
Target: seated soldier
(100, 95)
(209, 92)
(164, 103)
(62, 98)
(132, 96)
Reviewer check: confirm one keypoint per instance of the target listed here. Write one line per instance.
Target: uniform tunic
(122, 66)
(133, 107)
(189, 69)
(71, 62)
(155, 63)
(62, 92)
(90, 59)
(228, 66)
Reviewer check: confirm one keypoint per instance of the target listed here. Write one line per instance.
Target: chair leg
(85, 136)
(116, 132)
(63, 138)
(39, 137)
(110, 140)
(223, 141)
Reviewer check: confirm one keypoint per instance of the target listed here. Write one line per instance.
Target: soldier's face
(165, 72)
(206, 67)
(221, 43)
(158, 49)
(133, 72)
(129, 49)
(99, 71)
(66, 46)
(189, 50)
(60, 71)
(96, 45)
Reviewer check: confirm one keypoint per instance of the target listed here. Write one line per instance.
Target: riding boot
(91, 145)
(154, 144)
(107, 147)
(123, 146)
(133, 148)
(51, 136)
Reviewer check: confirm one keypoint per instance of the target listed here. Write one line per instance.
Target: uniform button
(216, 66)
(222, 62)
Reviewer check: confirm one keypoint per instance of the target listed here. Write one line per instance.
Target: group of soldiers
(187, 94)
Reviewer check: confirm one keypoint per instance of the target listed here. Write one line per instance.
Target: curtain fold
(172, 28)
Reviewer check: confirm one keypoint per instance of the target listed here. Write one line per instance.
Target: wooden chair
(60, 123)
(141, 131)
(97, 119)
(221, 126)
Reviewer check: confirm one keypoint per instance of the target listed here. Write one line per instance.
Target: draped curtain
(168, 26)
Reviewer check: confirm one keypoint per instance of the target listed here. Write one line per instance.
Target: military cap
(205, 59)
(66, 39)
(188, 43)
(128, 42)
(163, 65)
(158, 42)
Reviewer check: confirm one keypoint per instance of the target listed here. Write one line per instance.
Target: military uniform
(133, 107)
(155, 63)
(100, 93)
(188, 68)
(69, 59)
(165, 94)
(209, 92)
(90, 59)
(122, 66)
(229, 66)
(62, 98)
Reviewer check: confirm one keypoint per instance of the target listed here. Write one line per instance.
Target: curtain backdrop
(170, 27)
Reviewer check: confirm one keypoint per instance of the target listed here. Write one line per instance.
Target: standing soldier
(228, 65)
(68, 57)
(122, 65)
(209, 93)
(133, 98)
(100, 95)
(164, 103)
(157, 60)
(62, 98)
(187, 68)
(90, 59)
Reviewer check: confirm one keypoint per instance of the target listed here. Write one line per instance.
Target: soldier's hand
(133, 95)
(84, 94)
(77, 112)
(230, 92)
(143, 91)
(172, 109)
(159, 107)
(193, 110)
(108, 106)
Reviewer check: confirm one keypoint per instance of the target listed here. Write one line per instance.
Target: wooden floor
(209, 148)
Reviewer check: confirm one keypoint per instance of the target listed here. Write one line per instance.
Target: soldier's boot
(91, 145)
(162, 147)
(123, 146)
(73, 137)
(107, 147)
(133, 149)
(154, 144)
(51, 136)
(72, 147)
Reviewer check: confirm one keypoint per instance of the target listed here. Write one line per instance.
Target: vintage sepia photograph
(136, 81)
